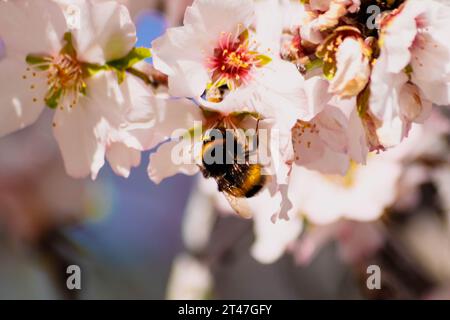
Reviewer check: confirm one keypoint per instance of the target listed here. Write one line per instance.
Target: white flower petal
(113, 107)
(384, 89)
(398, 36)
(190, 80)
(163, 119)
(168, 48)
(122, 158)
(97, 121)
(372, 195)
(357, 141)
(163, 163)
(282, 94)
(431, 59)
(272, 239)
(330, 162)
(18, 107)
(215, 16)
(438, 92)
(31, 27)
(322, 144)
(353, 69)
(177, 54)
(82, 152)
(104, 31)
(361, 195)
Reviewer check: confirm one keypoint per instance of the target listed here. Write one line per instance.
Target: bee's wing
(240, 205)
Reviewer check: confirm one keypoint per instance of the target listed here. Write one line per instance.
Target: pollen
(63, 76)
(66, 73)
(304, 132)
(233, 59)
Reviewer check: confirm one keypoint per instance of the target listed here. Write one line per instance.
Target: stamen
(233, 60)
(64, 77)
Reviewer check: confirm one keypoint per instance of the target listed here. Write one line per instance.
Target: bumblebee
(227, 160)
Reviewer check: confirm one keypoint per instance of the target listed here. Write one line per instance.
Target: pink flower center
(232, 61)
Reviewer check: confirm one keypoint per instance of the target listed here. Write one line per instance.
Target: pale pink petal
(112, 107)
(431, 49)
(357, 141)
(398, 36)
(413, 108)
(175, 55)
(122, 158)
(31, 27)
(104, 31)
(333, 125)
(190, 80)
(82, 153)
(281, 94)
(216, 16)
(272, 239)
(380, 193)
(164, 119)
(97, 120)
(322, 144)
(167, 162)
(317, 96)
(438, 92)
(330, 162)
(384, 88)
(353, 69)
(20, 104)
(430, 58)
(308, 146)
(391, 132)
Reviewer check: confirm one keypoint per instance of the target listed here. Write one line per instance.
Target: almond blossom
(413, 40)
(413, 69)
(211, 49)
(323, 15)
(52, 65)
(217, 50)
(352, 68)
(331, 140)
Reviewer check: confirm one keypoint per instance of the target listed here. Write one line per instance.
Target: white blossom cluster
(335, 84)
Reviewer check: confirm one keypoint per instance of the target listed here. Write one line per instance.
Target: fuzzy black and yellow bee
(226, 158)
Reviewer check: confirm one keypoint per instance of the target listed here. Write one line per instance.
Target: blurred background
(128, 235)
